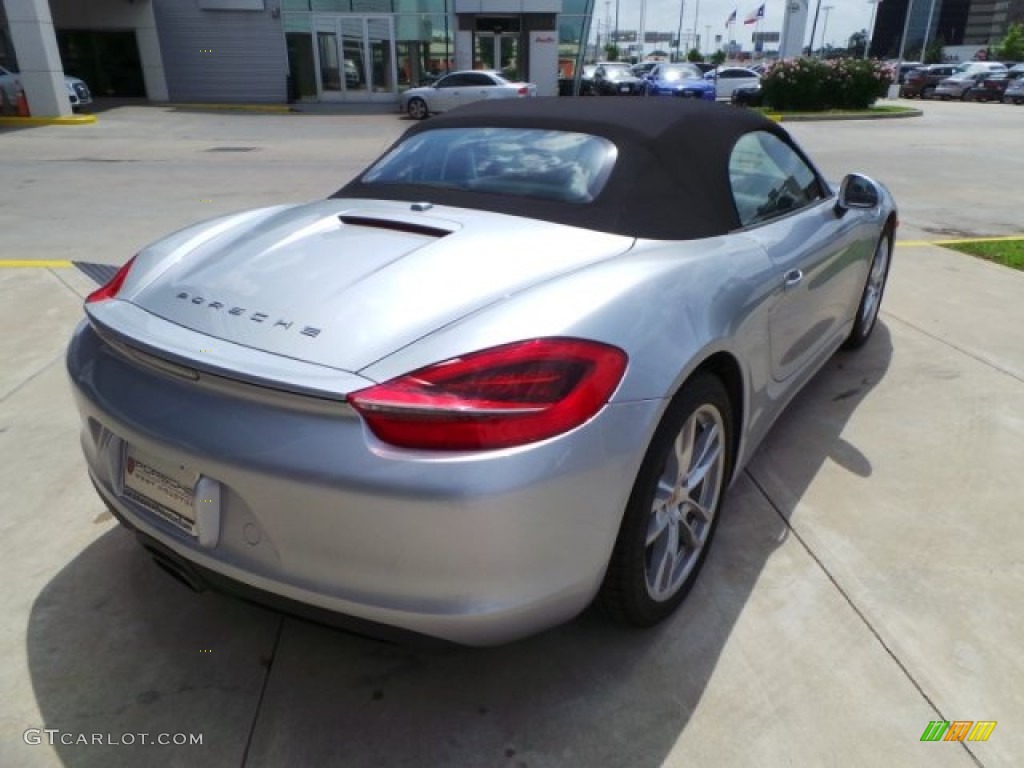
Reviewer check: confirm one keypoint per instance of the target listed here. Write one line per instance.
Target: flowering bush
(812, 85)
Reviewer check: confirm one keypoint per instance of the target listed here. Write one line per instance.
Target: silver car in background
(463, 87)
(728, 80)
(488, 381)
(78, 92)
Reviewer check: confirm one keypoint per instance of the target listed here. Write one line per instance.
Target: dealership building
(274, 51)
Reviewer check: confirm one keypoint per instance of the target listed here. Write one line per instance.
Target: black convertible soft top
(670, 181)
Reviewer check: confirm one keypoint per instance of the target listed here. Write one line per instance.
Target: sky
(845, 18)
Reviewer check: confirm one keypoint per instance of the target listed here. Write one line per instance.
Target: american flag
(755, 16)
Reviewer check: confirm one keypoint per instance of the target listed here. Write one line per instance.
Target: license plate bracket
(163, 487)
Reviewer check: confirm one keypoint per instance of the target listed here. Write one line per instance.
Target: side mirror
(857, 191)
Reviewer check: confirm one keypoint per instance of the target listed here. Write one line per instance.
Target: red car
(921, 82)
(992, 88)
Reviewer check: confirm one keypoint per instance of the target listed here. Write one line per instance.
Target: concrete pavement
(865, 581)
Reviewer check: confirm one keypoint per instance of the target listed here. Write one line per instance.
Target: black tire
(874, 290)
(627, 594)
(417, 109)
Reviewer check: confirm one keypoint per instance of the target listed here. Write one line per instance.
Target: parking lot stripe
(34, 263)
(959, 241)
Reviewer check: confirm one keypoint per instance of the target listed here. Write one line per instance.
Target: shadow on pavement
(115, 646)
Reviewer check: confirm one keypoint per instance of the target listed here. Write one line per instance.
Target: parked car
(728, 79)
(643, 68)
(905, 68)
(353, 79)
(748, 96)
(78, 92)
(991, 87)
(587, 80)
(956, 86)
(681, 79)
(921, 82)
(486, 382)
(462, 87)
(971, 67)
(1014, 93)
(616, 79)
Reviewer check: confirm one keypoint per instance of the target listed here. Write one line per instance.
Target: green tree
(933, 55)
(611, 52)
(694, 55)
(1011, 48)
(857, 44)
(718, 57)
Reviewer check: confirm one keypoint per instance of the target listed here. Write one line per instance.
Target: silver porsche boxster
(508, 370)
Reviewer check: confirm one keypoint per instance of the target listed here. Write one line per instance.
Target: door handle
(792, 279)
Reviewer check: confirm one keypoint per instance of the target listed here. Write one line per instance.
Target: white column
(35, 44)
(149, 52)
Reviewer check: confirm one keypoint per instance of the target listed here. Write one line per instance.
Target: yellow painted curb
(68, 120)
(34, 263)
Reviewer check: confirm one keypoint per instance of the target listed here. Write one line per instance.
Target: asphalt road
(867, 578)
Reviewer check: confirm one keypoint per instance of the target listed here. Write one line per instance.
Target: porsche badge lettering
(242, 312)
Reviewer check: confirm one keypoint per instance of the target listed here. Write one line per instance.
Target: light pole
(814, 26)
(707, 37)
(679, 32)
(696, 19)
(824, 26)
(616, 38)
(871, 26)
(927, 29)
(643, 31)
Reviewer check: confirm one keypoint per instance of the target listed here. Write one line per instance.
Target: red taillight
(110, 290)
(500, 397)
(523, 90)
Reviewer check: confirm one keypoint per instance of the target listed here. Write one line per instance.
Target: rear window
(523, 162)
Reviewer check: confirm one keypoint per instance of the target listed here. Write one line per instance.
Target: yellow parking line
(921, 243)
(34, 263)
(1003, 239)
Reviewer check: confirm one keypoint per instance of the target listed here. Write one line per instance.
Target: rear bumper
(200, 579)
(475, 548)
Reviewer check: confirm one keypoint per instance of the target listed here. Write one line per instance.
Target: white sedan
(728, 79)
(78, 91)
(463, 87)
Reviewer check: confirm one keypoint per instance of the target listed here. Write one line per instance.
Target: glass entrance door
(498, 51)
(355, 58)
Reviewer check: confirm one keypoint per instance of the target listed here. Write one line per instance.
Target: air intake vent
(395, 226)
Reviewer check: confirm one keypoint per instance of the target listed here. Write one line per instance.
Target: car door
(785, 206)
(479, 85)
(447, 92)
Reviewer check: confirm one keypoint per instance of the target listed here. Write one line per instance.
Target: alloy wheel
(685, 501)
(875, 285)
